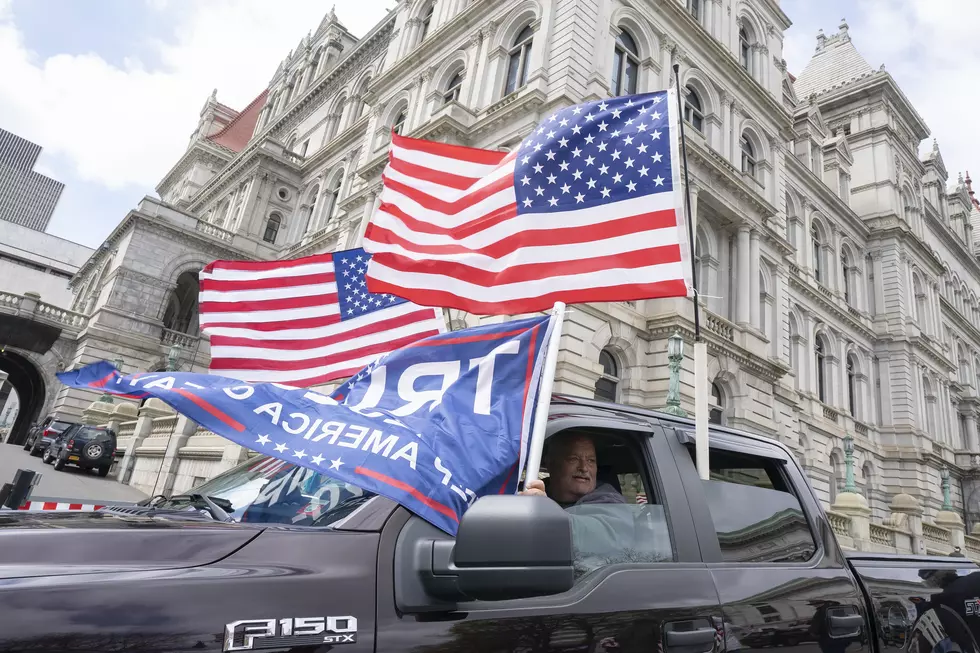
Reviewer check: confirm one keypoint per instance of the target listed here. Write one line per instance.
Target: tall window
(182, 309)
(452, 90)
(794, 344)
(851, 386)
(745, 50)
(608, 384)
(693, 109)
(311, 211)
(716, 412)
(748, 156)
(817, 252)
(820, 355)
(626, 64)
(869, 275)
(694, 7)
(333, 194)
(845, 271)
(520, 57)
(426, 22)
(398, 126)
(272, 226)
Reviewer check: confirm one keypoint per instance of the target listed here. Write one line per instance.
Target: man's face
(575, 470)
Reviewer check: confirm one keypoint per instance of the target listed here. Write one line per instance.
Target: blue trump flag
(433, 425)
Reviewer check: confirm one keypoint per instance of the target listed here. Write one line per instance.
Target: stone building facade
(838, 268)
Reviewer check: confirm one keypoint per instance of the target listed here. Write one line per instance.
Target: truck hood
(55, 544)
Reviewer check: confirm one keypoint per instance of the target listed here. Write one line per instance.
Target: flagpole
(543, 406)
(700, 347)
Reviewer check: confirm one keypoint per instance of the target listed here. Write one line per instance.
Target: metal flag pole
(700, 347)
(543, 404)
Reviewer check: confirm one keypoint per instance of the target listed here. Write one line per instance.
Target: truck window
(756, 515)
(623, 519)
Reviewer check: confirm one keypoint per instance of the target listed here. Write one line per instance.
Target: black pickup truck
(270, 556)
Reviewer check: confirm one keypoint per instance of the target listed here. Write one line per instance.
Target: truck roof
(594, 407)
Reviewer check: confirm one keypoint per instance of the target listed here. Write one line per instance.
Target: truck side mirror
(507, 547)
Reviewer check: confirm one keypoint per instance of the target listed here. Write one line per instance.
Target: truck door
(780, 575)
(655, 591)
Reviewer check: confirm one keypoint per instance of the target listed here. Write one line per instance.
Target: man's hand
(534, 488)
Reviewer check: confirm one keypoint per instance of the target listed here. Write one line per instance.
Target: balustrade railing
(720, 326)
(171, 337)
(881, 535)
(936, 534)
(831, 414)
(42, 310)
(841, 524)
(214, 230)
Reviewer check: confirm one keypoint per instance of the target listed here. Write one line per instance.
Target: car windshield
(59, 426)
(267, 490)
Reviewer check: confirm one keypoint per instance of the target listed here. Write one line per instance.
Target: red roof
(238, 132)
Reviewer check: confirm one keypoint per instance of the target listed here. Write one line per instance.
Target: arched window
(520, 57)
(398, 125)
(820, 356)
(745, 50)
(291, 143)
(607, 386)
(626, 65)
(868, 480)
(852, 385)
(964, 364)
(817, 252)
(182, 308)
(272, 226)
(333, 194)
(453, 88)
(869, 275)
(426, 22)
(845, 271)
(716, 412)
(748, 156)
(920, 301)
(693, 109)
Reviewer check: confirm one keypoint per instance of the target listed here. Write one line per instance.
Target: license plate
(72, 457)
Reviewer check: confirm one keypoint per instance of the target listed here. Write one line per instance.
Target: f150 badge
(260, 634)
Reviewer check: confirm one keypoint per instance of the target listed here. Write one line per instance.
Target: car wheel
(93, 451)
(103, 471)
(46, 457)
(59, 464)
(28, 444)
(36, 448)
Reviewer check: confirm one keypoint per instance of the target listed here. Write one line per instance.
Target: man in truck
(602, 522)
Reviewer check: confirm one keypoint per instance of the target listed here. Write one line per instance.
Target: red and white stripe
(279, 322)
(448, 233)
(54, 506)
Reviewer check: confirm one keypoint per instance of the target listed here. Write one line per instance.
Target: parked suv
(88, 447)
(42, 435)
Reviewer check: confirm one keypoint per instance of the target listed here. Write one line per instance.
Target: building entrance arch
(27, 380)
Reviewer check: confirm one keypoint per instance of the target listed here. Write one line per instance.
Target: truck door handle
(684, 638)
(846, 621)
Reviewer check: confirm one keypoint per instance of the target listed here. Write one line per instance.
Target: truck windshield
(267, 490)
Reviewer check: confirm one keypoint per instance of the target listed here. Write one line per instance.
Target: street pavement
(71, 484)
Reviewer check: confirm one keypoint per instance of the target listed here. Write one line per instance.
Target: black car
(42, 435)
(88, 447)
(275, 556)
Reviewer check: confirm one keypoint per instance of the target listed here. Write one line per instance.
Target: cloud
(126, 125)
(931, 49)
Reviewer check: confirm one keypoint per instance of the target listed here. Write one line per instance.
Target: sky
(112, 89)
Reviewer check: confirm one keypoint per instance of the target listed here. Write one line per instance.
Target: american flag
(586, 209)
(303, 322)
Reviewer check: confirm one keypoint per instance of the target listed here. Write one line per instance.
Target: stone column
(755, 308)
(185, 428)
(744, 274)
(151, 410)
(972, 443)
(853, 504)
(907, 516)
(726, 126)
(666, 62)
